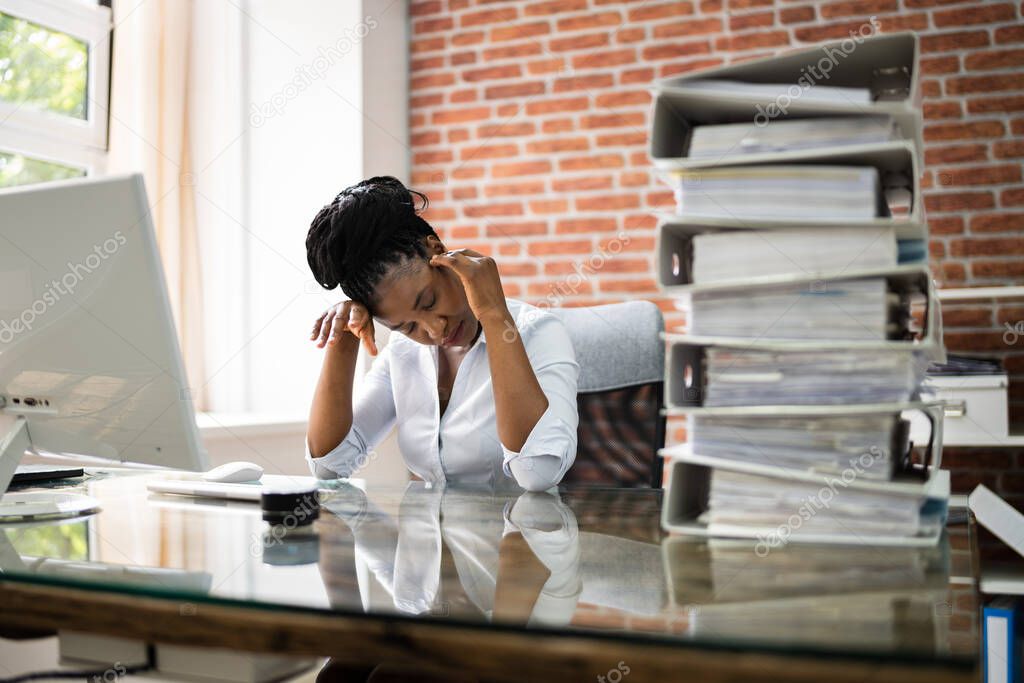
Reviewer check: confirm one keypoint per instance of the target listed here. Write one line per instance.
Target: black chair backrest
(620, 432)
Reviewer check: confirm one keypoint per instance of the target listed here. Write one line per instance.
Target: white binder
(675, 263)
(877, 63)
(895, 157)
(686, 498)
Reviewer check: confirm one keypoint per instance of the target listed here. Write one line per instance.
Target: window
(54, 89)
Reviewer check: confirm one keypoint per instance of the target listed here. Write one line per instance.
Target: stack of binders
(799, 249)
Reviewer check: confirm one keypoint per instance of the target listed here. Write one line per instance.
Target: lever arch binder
(885, 65)
(889, 159)
(912, 283)
(676, 242)
(687, 500)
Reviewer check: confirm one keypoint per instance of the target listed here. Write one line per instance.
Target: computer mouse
(234, 473)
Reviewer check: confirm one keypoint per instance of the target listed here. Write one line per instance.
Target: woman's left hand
(480, 278)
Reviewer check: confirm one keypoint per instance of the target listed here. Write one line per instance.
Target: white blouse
(462, 446)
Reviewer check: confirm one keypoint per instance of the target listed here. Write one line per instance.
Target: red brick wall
(529, 125)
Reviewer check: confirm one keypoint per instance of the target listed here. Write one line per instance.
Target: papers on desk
(746, 377)
(721, 141)
(800, 192)
(861, 310)
(731, 255)
(871, 445)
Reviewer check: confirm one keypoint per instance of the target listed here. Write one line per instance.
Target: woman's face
(426, 303)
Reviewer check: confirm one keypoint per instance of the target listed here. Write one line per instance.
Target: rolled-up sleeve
(550, 449)
(373, 416)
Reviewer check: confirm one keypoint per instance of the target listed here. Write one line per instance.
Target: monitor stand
(36, 505)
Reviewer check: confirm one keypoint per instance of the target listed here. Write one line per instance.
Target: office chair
(620, 393)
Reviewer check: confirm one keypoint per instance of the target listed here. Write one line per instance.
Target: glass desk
(584, 580)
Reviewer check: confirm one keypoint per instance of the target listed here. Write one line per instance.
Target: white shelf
(1007, 442)
(972, 293)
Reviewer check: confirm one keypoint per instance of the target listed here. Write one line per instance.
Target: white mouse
(234, 473)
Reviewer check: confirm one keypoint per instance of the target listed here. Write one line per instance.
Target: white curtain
(154, 61)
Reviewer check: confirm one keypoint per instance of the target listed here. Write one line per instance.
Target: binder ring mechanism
(955, 408)
(934, 411)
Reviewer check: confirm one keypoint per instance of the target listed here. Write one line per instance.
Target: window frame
(49, 136)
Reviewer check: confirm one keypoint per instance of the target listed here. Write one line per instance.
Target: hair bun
(366, 227)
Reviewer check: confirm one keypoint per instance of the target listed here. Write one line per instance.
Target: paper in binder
(861, 309)
(750, 377)
(870, 445)
(791, 508)
(770, 92)
(731, 255)
(720, 141)
(797, 191)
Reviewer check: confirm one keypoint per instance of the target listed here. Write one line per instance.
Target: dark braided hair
(368, 228)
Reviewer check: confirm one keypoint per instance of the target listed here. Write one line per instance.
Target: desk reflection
(580, 560)
(453, 552)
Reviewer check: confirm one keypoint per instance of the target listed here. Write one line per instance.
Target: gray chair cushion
(617, 345)
(621, 357)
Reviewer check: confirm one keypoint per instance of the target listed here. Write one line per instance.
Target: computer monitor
(89, 357)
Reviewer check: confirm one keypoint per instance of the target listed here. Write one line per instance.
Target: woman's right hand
(346, 318)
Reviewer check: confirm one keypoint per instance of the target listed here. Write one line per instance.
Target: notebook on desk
(207, 489)
(248, 491)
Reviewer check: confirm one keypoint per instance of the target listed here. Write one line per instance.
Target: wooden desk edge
(492, 653)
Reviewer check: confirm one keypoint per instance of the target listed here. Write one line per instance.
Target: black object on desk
(26, 474)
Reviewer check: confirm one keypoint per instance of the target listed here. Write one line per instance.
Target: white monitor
(89, 357)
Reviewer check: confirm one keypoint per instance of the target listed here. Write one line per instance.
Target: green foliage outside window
(17, 169)
(68, 541)
(42, 68)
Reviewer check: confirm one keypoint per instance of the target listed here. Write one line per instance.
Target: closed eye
(433, 302)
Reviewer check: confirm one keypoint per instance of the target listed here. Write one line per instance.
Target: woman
(483, 388)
